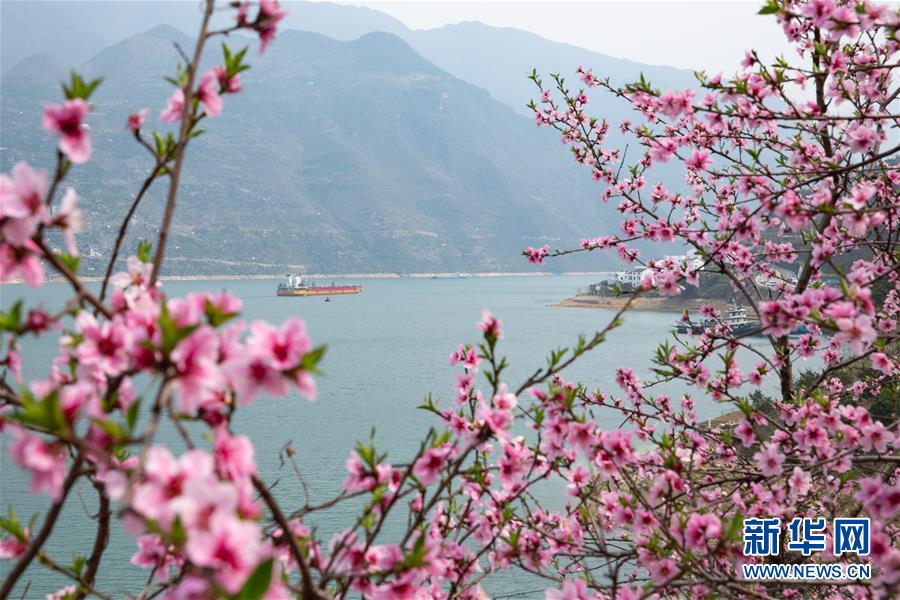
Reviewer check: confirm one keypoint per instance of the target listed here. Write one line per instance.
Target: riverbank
(269, 277)
(673, 304)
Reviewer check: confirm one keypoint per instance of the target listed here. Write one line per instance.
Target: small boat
(294, 285)
(694, 328)
(327, 299)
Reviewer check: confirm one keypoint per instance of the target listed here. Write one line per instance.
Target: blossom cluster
(651, 498)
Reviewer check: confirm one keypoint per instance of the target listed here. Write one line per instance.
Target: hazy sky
(710, 35)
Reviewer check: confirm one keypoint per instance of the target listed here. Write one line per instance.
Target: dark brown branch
(310, 591)
(49, 521)
(120, 237)
(100, 542)
(183, 138)
(49, 255)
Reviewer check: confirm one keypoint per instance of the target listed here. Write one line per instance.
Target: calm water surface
(387, 349)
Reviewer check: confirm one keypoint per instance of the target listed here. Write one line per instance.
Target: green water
(387, 349)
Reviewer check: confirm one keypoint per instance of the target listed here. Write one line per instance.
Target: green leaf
(12, 526)
(258, 583)
(45, 413)
(312, 358)
(159, 142)
(769, 9)
(143, 251)
(131, 415)
(179, 536)
(79, 88)
(736, 525)
(215, 315)
(78, 563)
(70, 261)
(12, 320)
(416, 558)
(171, 333)
(113, 429)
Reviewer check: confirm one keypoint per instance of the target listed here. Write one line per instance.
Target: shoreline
(674, 304)
(317, 276)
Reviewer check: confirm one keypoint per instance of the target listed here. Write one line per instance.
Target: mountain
(339, 156)
(498, 59)
(78, 29)
(494, 58)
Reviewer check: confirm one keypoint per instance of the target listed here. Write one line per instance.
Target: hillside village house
(631, 278)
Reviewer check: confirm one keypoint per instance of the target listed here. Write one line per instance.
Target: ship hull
(336, 290)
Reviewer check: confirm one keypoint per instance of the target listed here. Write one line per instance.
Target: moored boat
(694, 328)
(294, 285)
(737, 321)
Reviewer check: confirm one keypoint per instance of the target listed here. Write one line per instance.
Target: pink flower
(675, 103)
(429, 465)
(173, 487)
(858, 332)
(174, 110)
(267, 21)
(662, 571)
(498, 417)
(861, 139)
(769, 460)
(699, 529)
(230, 85)
(12, 548)
(468, 357)
(208, 93)
(744, 430)
(799, 483)
(152, 552)
(880, 499)
(250, 373)
(105, 346)
(231, 547)
(66, 119)
(21, 262)
(284, 346)
(875, 436)
(47, 462)
(536, 255)
(577, 478)
(68, 218)
(699, 161)
(882, 362)
(818, 11)
(572, 589)
(663, 149)
(198, 375)
(136, 120)
(22, 206)
(490, 325)
(617, 444)
(67, 593)
(138, 274)
(358, 478)
(234, 455)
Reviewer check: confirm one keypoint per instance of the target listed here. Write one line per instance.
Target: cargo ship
(294, 285)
